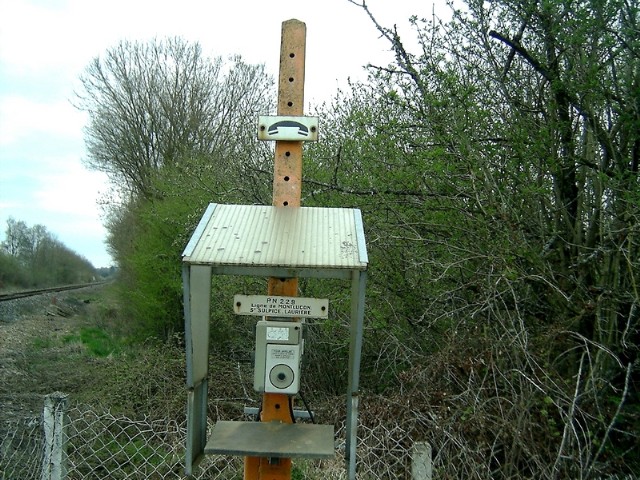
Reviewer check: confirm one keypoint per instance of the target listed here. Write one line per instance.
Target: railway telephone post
(282, 242)
(287, 191)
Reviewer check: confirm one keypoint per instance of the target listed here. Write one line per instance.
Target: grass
(96, 340)
(42, 343)
(73, 354)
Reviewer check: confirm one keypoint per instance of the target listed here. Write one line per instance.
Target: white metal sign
(276, 306)
(288, 128)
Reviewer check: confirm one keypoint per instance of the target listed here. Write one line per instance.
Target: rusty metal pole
(287, 190)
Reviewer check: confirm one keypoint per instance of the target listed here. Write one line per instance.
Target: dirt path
(34, 358)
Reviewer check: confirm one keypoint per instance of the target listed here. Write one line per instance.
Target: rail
(4, 297)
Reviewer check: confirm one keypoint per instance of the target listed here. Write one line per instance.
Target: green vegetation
(33, 257)
(203, 150)
(90, 356)
(133, 453)
(97, 341)
(42, 343)
(497, 169)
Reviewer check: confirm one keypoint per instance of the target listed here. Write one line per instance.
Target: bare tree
(150, 104)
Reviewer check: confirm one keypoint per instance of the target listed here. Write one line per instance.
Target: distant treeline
(33, 257)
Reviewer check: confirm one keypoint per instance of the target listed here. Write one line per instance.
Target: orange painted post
(287, 191)
(287, 172)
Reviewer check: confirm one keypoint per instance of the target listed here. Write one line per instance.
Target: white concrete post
(53, 418)
(421, 468)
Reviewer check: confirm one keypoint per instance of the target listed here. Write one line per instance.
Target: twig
(605, 438)
(570, 415)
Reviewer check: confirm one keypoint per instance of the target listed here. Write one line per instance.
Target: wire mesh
(21, 449)
(100, 444)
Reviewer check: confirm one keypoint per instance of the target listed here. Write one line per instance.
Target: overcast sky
(46, 44)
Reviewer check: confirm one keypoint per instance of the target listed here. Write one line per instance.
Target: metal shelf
(271, 439)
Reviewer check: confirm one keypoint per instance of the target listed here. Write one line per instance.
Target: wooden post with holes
(287, 190)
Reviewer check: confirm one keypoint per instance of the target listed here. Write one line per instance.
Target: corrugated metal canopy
(285, 237)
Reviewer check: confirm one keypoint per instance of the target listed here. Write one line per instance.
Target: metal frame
(197, 273)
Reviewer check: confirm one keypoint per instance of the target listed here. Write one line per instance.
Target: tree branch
(402, 56)
(520, 50)
(561, 89)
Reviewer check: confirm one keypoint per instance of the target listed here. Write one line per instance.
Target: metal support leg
(196, 426)
(358, 284)
(197, 299)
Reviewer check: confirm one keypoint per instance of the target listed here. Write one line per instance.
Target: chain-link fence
(99, 444)
(21, 449)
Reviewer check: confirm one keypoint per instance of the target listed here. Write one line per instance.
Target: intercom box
(279, 348)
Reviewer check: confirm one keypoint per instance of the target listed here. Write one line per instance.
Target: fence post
(53, 417)
(421, 468)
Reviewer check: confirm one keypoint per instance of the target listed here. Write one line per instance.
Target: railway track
(30, 293)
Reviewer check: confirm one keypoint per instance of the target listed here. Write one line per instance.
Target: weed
(98, 342)
(42, 343)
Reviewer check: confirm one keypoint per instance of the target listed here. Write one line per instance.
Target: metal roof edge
(197, 233)
(362, 245)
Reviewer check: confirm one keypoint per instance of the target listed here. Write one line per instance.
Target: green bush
(12, 273)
